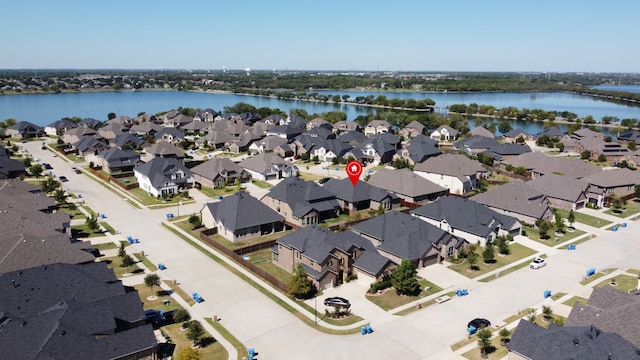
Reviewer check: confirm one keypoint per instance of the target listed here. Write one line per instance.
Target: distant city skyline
(491, 35)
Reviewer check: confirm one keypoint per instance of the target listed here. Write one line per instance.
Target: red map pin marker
(354, 170)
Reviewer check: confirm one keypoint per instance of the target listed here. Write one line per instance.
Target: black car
(324, 180)
(158, 316)
(337, 302)
(63, 178)
(47, 166)
(478, 323)
(76, 170)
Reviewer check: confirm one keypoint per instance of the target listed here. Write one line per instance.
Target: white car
(537, 263)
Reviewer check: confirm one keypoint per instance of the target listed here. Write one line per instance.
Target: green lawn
(390, 299)
(261, 184)
(214, 193)
(557, 296)
(309, 176)
(625, 282)
(229, 337)
(534, 234)
(105, 246)
(83, 231)
(572, 301)
(115, 262)
(144, 198)
(518, 252)
(108, 227)
(498, 352)
(596, 276)
(262, 259)
(584, 218)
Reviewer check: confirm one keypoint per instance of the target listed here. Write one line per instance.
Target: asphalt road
(276, 334)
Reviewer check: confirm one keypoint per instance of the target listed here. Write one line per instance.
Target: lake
(43, 109)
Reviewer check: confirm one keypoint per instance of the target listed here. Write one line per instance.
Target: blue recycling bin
(590, 272)
(571, 247)
(615, 228)
(472, 330)
(363, 330)
(169, 215)
(547, 293)
(624, 225)
(369, 329)
(161, 266)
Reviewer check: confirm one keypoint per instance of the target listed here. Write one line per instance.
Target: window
(450, 251)
(298, 254)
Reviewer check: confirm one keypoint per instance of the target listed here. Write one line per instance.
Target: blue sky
(421, 35)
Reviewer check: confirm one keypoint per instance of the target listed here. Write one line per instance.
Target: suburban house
(330, 149)
(399, 236)
(267, 144)
(612, 151)
(145, 128)
(126, 140)
(344, 126)
(302, 202)
(506, 151)
(91, 123)
(89, 147)
(512, 136)
(319, 122)
(23, 130)
(538, 164)
(418, 149)
(73, 135)
(68, 311)
(482, 131)
(411, 130)
(519, 200)
(618, 181)
(454, 172)
(362, 196)
(468, 219)
(588, 342)
(110, 131)
(116, 161)
(163, 176)
(59, 127)
(162, 149)
(563, 192)
(609, 310)
(284, 131)
(444, 132)
(329, 258)
(268, 166)
(32, 233)
(631, 135)
(475, 144)
(10, 168)
(411, 188)
(206, 115)
(219, 172)
(240, 216)
(170, 135)
(552, 132)
(376, 127)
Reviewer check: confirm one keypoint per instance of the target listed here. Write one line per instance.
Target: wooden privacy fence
(246, 264)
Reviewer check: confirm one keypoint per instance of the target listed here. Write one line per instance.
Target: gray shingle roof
(159, 171)
(211, 168)
(569, 342)
(404, 182)
(241, 210)
(164, 149)
(476, 142)
(63, 311)
(560, 187)
(303, 196)
(422, 147)
(544, 164)
(344, 190)
(262, 162)
(516, 197)
(614, 178)
(456, 165)
(610, 310)
(404, 235)
(466, 215)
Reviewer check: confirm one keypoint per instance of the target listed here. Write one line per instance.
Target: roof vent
(576, 342)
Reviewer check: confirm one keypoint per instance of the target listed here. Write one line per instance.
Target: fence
(246, 264)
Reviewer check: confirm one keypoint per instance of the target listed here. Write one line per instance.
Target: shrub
(380, 285)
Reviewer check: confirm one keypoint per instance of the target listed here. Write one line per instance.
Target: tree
(547, 313)
(188, 353)
(484, 341)
(36, 170)
(127, 261)
(472, 258)
(405, 280)
(121, 251)
(182, 316)
(195, 220)
(92, 223)
(531, 316)
(380, 210)
(111, 115)
(60, 196)
(571, 218)
(27, 162)
(151, 281)
(632, 146)
(602, 158)
(504, 335)
(299, 284)
(489, 253)
(543, 226)
(504, 127)
(195, 332)
(559, 223)
(49, 184)
(585, 155)
(617, 205)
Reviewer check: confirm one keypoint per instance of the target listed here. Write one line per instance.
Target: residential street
(260, 323)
